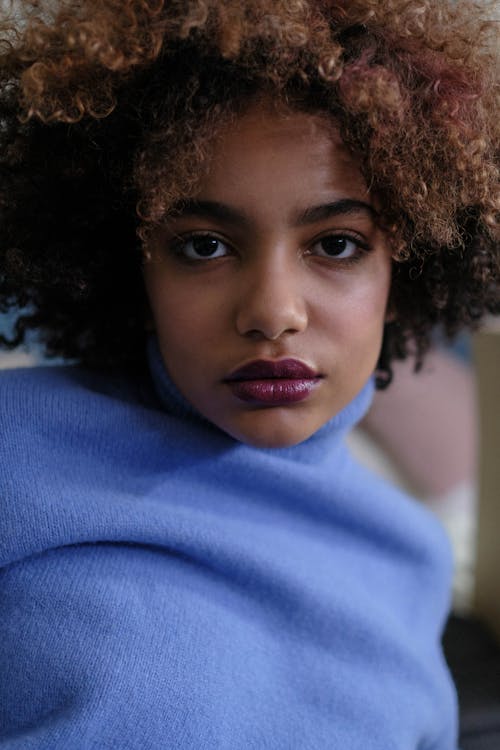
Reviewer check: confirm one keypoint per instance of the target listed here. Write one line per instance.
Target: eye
(201, 247)
(338, 246)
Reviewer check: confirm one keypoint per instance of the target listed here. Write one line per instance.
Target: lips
(277, 383)
(261, 369)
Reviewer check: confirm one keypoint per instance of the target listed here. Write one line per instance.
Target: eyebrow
(311, 215)
(341, 207)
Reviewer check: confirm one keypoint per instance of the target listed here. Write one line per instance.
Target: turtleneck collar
(175, 404)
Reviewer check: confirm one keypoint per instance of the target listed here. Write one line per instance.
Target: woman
(231, 215)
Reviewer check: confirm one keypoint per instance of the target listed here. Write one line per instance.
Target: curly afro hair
(108, 109)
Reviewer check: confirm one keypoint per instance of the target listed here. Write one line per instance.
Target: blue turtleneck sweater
(163, 586)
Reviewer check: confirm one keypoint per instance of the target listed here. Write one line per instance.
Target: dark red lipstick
(276, 383)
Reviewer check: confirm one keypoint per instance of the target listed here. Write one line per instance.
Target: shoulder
(32, 390)
(60, 426)
(28, 380)
(393, 514)
(43, 405)
(25, 392)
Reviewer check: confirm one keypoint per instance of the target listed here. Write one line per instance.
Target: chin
(272, 436)
(271, 442)
(274, 427)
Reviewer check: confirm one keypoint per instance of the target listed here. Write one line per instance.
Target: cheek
(169, 313)
(355, 312)
(187, 320)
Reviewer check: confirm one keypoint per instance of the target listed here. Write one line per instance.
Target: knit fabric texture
(163, 586)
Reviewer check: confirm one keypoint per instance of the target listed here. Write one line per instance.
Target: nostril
(269, 335)
(267, 317)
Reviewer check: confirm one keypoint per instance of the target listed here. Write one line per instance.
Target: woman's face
(269, 289)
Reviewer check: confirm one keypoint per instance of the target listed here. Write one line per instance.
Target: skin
(271, 291)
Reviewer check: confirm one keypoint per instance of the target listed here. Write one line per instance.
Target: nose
(271, 302)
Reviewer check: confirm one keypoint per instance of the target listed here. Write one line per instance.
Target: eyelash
(177, 246)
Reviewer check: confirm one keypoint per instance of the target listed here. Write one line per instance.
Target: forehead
(278, 153)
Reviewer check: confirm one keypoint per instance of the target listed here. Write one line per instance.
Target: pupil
(205, 246)
(334, 245)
